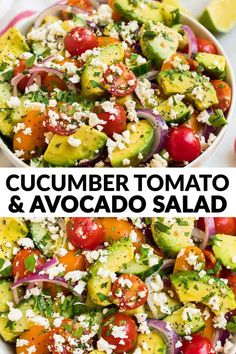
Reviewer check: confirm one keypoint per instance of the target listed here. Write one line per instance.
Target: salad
(120, 84)
(107, 285)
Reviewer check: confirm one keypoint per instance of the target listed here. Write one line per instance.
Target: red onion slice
(15, 296)
(160, 131)
(192, 40)
(170, 337)
(204, 236)
(50, 263)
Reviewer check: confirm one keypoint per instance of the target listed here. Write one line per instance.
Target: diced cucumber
(140, 69)
(141, 270)
(39, 49)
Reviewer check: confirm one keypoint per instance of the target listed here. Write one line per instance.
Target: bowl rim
(231, 78)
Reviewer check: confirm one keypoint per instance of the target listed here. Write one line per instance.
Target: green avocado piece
(11, 229)
(24, 323)
(196, 87)
(141, 141)
(224, 248)
(152, 342)
(12, 45)
(5, 294)
(172, 235)
(215, 65)
(61, 153)
(99, 284)
(140, 10)
(92, 76)
(5, 94)
(5, 332)
(186, 318)
(208, 290)
(6, 127)
(174, 112)
(158, 42)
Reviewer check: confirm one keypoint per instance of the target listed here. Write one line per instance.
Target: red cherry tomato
(205, 46)
(231, 282)
(85, 233)
(183, 144)
(198, 345)
(129, 292)
(224, 94)
(57, 123)
(19, 69)
(225, 226)
(50, 82)
(115, 122)
(128, 328)
(26, 262)
(119, 80)
(79, 40)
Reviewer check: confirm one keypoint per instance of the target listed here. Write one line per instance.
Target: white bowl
(200, 31)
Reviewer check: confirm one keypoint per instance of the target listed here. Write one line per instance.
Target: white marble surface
(224, 155)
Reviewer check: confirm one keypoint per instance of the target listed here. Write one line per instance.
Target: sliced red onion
(151, 75)
(170, 337)
(15, 296)
(54, 10)
(21, 16)
(167, 263)
(204, 236)
(52, 262)
(220, 335)
(160, 131)
(192, 40)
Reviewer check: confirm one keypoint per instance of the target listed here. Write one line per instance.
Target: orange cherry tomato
(168, 64)
(181, 262)
(115, 15)
(117, 229)
(129, 292)
(83, 4)
(104, 41)
(36, 336)
(193, 123)
(73, 261)
(224, 94)
(77, 62)
(32, 143)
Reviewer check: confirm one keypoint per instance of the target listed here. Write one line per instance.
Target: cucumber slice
(141, 270)
(141, 69)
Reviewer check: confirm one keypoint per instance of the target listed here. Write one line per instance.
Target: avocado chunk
(5, 332)
(11, 230)
(196, 87)
(24, 323)
(152, 342)
(224, 248)
(6, 127)
(158, 42)
(172, 235)
(61, 153)
(10, 117)
(5, 294)
(140, 10)
(187, 319)
(92, 76)
(12, 45)
(5, 94)
(140, 144)
(99, 283)
(215, 65)
(208, 290)
(174, 112)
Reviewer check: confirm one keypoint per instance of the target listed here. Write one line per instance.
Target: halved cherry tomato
(115, 15)
(231, 282)
(197, 345)
(115, 122)
(31, 142)
(36, 337)
(104, 41)
(183, 144)
(116, 229)
(183, 264)
(57, 122)
(50, 82)
(168, 64)
(79, 40)
(69, 333)
(119, 80)
(206, 46)
(225, 226)
(83, 4)
(129, 292)
(26, 262)
(209, 329)
(210, 259)
(85, 233)
(77, 62)
(193, 123)
(127, 325)
(224, 94)
(19, 69)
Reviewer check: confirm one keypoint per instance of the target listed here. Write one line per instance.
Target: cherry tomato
(181, 262)
(210, 259)
(224, 94)
(198, 345)
(169, 64)
(182, 144)
(79, 40)
(36, 336)
(57, 121)
(50, 82)
(206, 46)
(231, 282)
(20, 68)
(225, 226)
(115, 14)
(105, 41)
(119, 80)
(129, 292)
(115, 122)
(26, 262)
(85, 233)
(127, 325)
(83, 4)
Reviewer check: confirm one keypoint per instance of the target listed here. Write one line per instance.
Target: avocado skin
(189, 286)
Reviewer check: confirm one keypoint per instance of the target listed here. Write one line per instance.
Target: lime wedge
(173, 5)
(219, 16)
